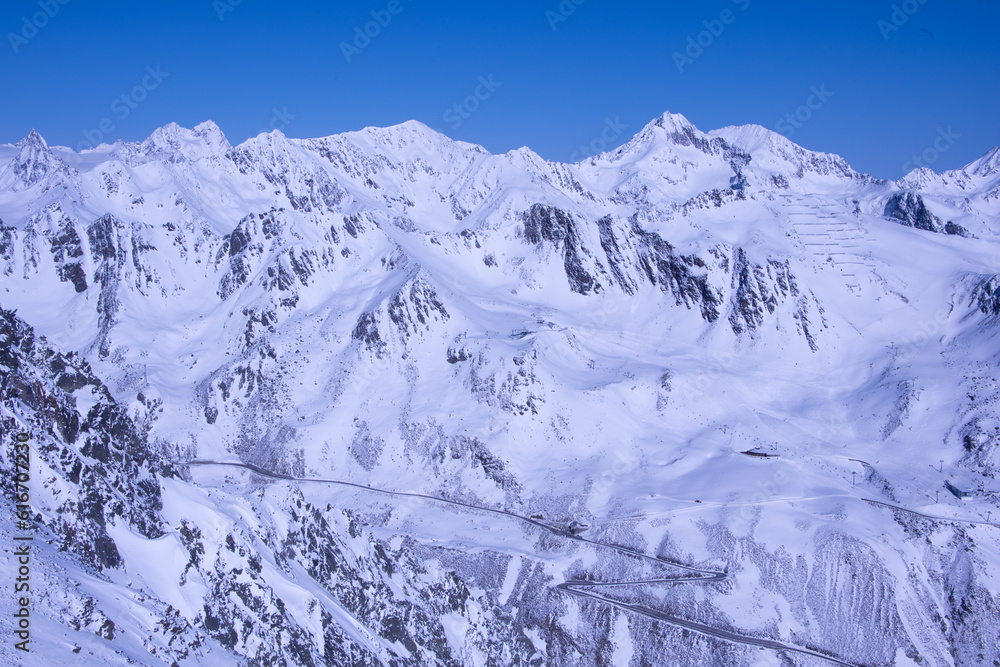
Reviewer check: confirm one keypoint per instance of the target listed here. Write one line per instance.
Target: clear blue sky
(555, 83)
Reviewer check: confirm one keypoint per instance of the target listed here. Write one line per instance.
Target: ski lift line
(580, 588)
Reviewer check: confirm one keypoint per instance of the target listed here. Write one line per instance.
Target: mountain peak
(669, 129)
(752, 136)
(778, 156)
(987, 165)
(34, 139)
(213, 135)
(414, 126)
(526, 158)
(33, 162)
(919, 178)
(204, 140)
(403, 134)
(33, 149)
(672, 127)
(672, 122)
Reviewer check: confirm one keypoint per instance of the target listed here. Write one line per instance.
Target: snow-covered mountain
(597, 355)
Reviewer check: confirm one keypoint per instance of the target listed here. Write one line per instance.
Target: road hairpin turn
(579, 588)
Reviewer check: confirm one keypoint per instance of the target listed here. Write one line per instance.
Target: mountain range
(385, 397)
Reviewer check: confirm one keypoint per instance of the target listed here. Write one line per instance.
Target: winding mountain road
(931, 516)
(579, 588)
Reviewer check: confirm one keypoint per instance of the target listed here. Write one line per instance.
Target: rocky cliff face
(909, 209)
(594, 344)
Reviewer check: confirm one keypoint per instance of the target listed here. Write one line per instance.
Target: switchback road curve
(579, 588)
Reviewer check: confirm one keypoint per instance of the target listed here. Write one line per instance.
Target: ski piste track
(579, 588)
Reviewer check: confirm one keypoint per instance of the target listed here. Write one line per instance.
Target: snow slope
(597, 342)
